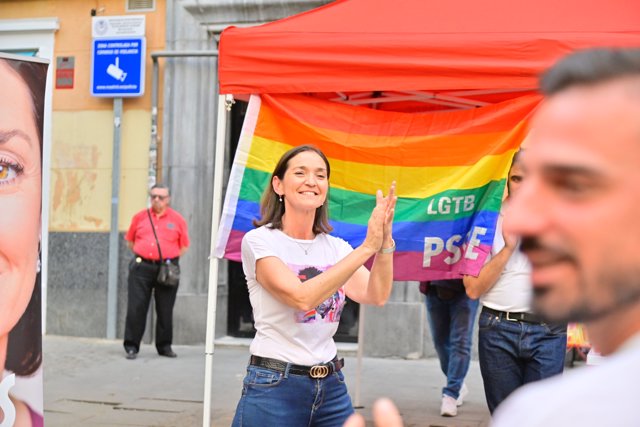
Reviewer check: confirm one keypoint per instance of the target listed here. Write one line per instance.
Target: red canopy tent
(419, 51)
(408, 55)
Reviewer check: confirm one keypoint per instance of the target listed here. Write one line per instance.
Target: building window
(141, 5)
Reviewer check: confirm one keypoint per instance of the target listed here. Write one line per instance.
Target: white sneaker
(463, 393)
(448, 407)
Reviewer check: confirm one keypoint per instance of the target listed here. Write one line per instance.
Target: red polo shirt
(170, 227)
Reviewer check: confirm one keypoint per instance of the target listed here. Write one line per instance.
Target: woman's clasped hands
(379, 229)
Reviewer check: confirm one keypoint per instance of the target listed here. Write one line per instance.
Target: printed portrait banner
(23, 87)
(450, 168)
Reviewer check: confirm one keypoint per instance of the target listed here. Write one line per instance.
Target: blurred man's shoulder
(602, 395)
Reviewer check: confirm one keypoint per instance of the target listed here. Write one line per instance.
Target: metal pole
(112, 283)
(183, 53)
(153, 147)
(155, 80)
(221, 132)
(356, 400)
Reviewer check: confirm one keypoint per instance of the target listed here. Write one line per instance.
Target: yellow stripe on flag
(414, 182)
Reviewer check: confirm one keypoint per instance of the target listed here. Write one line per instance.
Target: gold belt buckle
(319, 371)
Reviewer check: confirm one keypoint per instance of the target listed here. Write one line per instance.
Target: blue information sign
(117, 67)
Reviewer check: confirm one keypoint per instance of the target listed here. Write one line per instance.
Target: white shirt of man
(512, 291)
(604, 395)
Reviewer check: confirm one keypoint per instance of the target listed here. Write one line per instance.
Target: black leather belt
(514, 316)
(316, 371)
(140, 259)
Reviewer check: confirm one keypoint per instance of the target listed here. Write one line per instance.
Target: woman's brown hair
(24, 348)
(272, 209)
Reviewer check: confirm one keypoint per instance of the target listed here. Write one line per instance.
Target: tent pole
(356, 400)
(221, 134)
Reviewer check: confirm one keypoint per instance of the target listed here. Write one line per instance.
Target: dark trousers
(516, 353)
(141, 283)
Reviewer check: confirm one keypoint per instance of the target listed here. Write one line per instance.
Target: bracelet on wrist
(390, 249)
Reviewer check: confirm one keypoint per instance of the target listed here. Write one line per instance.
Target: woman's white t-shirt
(283, 332)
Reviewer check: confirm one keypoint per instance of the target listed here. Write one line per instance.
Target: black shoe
(167, 353)
(131, 354)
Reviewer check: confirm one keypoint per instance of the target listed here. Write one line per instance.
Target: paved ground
(88, 382)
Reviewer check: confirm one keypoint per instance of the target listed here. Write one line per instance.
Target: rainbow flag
(450, 168)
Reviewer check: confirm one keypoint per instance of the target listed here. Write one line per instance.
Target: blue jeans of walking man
(514, 353)
(451, 317)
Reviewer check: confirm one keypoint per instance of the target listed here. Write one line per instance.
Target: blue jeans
(451, 322)
(272, 398)
(514, 353)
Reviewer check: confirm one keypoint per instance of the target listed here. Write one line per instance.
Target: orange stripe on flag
(463, 143)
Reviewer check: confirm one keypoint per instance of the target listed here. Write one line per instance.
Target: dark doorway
(239, 314)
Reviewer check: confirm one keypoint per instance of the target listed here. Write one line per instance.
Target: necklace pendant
(305, 248)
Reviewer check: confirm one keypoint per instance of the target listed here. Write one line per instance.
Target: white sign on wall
(118, 26)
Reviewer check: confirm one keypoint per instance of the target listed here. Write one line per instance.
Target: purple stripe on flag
(232, 251)
(406, 265)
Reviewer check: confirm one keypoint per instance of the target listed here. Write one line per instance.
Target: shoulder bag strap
(155, 235)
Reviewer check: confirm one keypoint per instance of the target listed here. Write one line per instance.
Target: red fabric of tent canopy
(408, 45)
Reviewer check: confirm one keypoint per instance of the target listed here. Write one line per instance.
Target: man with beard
(578, 218)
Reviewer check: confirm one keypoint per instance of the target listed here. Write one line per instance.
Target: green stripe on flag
(355, 208)
(253, 184)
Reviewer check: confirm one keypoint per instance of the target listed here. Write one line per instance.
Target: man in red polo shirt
(171, 229)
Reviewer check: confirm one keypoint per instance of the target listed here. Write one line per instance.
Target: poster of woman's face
(22, 91)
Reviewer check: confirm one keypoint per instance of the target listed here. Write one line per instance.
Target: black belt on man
(321, 370)
(140, 259)
(514, 316)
